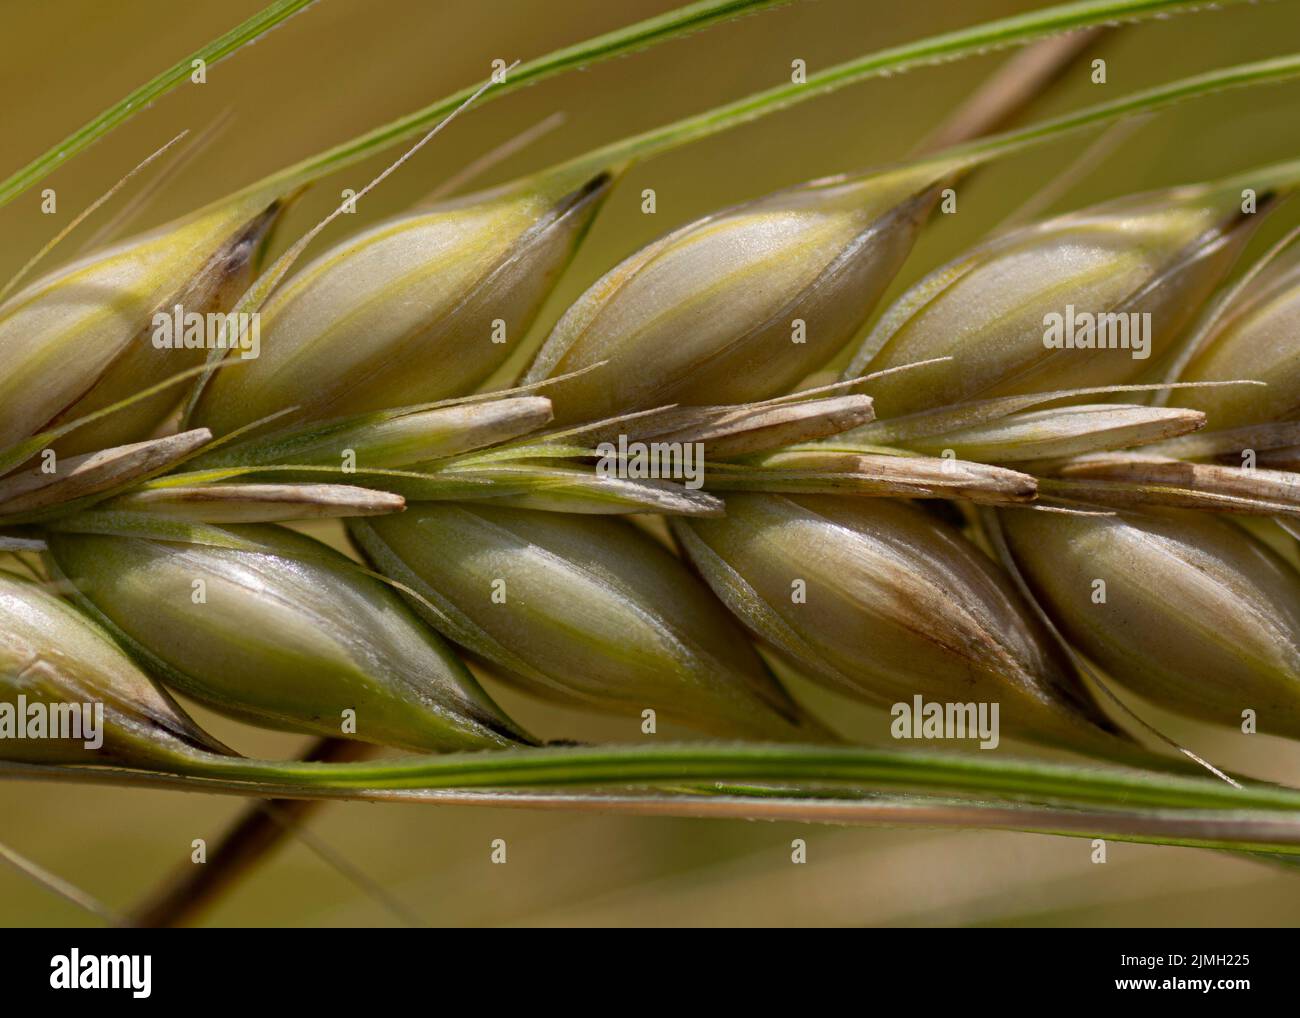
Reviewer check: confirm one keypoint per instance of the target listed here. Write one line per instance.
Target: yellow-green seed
(54, 657)
(290, 635)
(1024, 311)
(84, 337)
(422, 307)
(740, 305)
(1257, 337)
(885, 602)
(1184, 608)
(588, 610)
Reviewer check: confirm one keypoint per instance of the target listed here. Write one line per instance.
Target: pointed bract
(291, 635)
(53, 656)
(883, 601)
(422, 307)
(740, 305)
(584, 609)
(1186, 609)
(1026, 311)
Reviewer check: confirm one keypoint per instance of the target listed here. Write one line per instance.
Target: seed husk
(1136, 480)
(407, 311)
(51, 654)
(831, 471)
(727, 432)
(590, 611)
(1266, 439)
(255, 503)
(391, 438)
(1196, 615)
(81, 338)
(1258, 337)
(75, 479)
(895, 603)
(1160, 253)
(1063, 431)
(281, 631)
(710, 313)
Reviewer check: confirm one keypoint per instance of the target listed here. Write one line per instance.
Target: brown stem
(253, 838)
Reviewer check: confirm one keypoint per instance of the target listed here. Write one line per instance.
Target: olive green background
(346, 65)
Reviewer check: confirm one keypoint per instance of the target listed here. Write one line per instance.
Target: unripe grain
(994, 309)
(740, 305)
(895, 603)
(82, 337)
(588, 610)
(290, 635)
(408, 311)
(52, 655)
(1257, 337)
(1195, 613)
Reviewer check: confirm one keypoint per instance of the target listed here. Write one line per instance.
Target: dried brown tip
(76, 477)
(834, 472)
(258, 503)
(728, 432)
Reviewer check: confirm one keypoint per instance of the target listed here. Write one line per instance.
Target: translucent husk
(424, 306)
(550, 484)
(276, 629)
(1258, 336)
(1062, 431)
(81, 338)
(741, 305)
(885, 602)
(51, 654)
(590, 611)
(389, 439)
(727, 432)
(828, 470)
(1135, 480)
(77, 480)
(255, 503)
(1196, 614)
(1160, 253)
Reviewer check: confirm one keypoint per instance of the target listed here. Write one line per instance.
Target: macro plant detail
(842, 515)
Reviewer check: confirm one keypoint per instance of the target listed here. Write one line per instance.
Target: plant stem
(703, 763)
(121, 111)
(254, 836)
(1271, 831)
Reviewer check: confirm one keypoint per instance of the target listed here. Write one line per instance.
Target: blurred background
(343, 67)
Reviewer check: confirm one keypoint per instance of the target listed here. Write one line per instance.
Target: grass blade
(223, 46)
